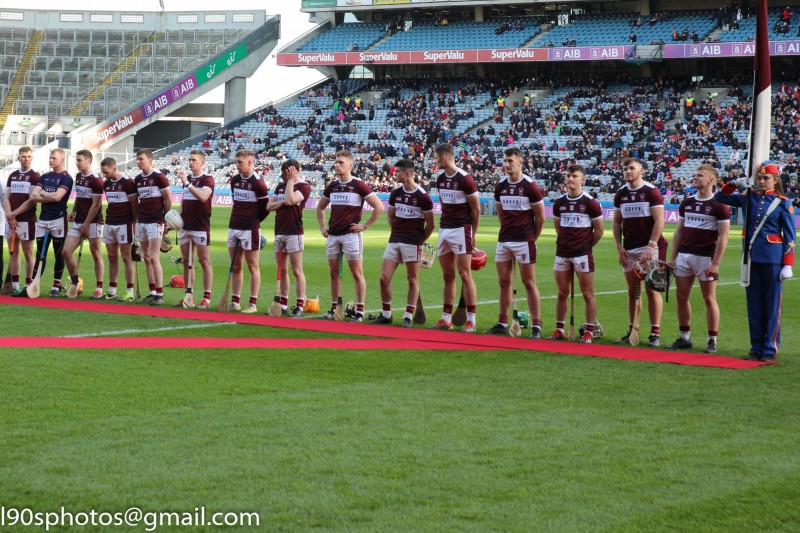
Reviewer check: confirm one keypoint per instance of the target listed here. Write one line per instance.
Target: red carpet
(121, 343)
(461, 340)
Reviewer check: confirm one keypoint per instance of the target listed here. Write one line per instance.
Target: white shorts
(150, 232)
(351, 244)
(456, 240)
(199, 238)
(692, 265)
(523, 252)
(248, 239)
(117, 233)
(582, 263)
(399, 252)
(634, 254)
(292, 243)
(95, 230)
(57, 228)
(26, 230)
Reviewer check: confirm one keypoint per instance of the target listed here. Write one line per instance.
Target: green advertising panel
(317, 3)
(207, 72)
(390, 2)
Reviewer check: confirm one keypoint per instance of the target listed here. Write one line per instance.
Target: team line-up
(138, 209)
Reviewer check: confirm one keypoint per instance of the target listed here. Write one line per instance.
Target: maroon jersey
(575, 216)
(347, 201)
(700, 221)
(409, 215)
(151, 203)
(18, 188)
(247, 194)
(86, 189)
(637, 219)
(196, 214)
(289, 218)
(453, 193)
(119, 210)
(517, 200)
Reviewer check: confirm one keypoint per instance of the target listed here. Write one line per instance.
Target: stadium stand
(100, 72)
(615, 29)
(738, 27)
(351, 36)
(462, 34)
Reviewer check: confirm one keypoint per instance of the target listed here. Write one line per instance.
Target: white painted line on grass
(151, 330)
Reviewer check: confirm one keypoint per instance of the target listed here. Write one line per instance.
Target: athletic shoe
(557, 335)
(233, 306)
(97, 295)
(680, 344)
(148, 299)
(625, 339)
(753, 357)
(654, 340)
(330, 315)
(711, 346)
(250, 309)
(587, 338)
(469, 327)
(126, 298)
(380, 319)
(768, 359)
(497, 329)
(297, 312)
(204, 304)
(536, 332)
(54, 293)
(23, 293)
(406, 323)
(110, 296)
(442, 325)
(157, 300)
(358, 317)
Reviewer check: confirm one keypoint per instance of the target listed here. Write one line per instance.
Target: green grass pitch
(403, 441)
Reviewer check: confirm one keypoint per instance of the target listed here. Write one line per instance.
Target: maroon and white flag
(761, 118)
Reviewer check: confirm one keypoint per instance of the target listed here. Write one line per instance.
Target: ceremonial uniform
(772, 249)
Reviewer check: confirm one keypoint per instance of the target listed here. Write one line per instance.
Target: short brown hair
(628, 160)
(347, 154)
(290, 163)
(108, 162)
(445, 149)
(711, 169)
(24, 149)
(86, 154)
(201, 153)
(145, 152)
(245, 153)
(405, 164)
(575, 167)
(513, 151)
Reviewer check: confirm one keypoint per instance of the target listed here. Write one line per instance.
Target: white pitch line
(132, 331)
